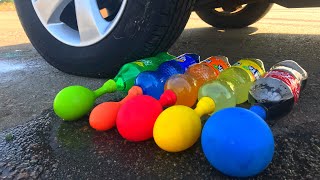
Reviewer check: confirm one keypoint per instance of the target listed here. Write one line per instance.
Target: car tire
(145, 28)
(250, 14)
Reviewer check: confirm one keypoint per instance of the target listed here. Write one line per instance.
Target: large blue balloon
(237, 142)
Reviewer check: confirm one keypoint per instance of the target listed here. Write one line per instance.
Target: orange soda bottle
(186, 85)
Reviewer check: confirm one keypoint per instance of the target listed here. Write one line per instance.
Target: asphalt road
(35, 143)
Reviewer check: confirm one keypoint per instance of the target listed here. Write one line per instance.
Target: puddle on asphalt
(6, 66)
(16, 53)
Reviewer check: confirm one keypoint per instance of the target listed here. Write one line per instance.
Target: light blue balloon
(237, 142)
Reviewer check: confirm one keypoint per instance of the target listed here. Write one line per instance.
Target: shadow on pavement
(237, 43)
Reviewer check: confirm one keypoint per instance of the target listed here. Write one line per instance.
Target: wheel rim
(230, 11)
(91, 25)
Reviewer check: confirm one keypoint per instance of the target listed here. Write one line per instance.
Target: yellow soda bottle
(233, 84)
(186, 85)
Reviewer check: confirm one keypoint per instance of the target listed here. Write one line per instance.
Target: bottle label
(218, 65)
(181, 58)
(139, 63)
(287, 78)
(188, 59)
(254, 70)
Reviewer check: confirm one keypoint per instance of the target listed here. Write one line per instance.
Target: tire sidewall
(118, 47)
(247, 16)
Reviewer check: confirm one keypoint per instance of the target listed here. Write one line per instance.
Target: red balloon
(137, 116)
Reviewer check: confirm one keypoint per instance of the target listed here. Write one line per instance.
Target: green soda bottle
(126, 77)
(73, 102)
(233, 84)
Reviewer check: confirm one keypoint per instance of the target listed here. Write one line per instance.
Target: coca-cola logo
(289, 79)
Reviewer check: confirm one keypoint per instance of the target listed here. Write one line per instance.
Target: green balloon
(73, 102)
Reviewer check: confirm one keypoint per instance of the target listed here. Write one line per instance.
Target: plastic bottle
(104, 115)
(282, 83)
(186, 85)
(128, 73)
(233, 84)
(152, 82)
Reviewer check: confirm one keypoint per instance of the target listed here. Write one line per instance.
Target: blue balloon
(237, 142)
(260, 111)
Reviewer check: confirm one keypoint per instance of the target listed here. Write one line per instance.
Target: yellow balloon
(177, 128)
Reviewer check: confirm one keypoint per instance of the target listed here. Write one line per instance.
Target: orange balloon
(103, 117)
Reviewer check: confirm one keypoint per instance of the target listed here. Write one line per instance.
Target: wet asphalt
(35, 144)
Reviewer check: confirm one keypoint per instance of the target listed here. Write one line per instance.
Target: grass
(7, 5)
